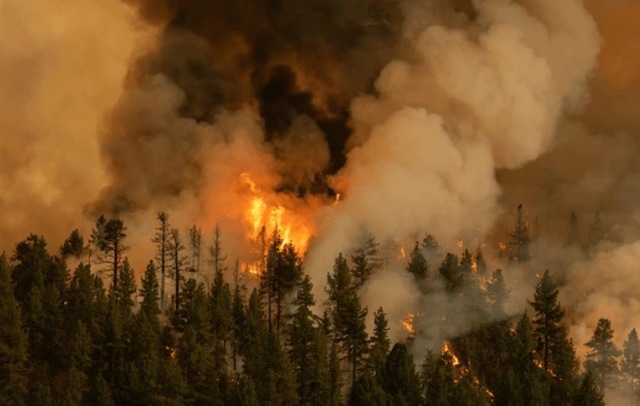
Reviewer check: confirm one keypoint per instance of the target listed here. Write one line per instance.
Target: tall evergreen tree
(399, 377)
(73, 246)
(451, 272)
(348, 315)
(418, 265)
(302, 335)
(111, 246)
(161, 240)
(630, 364)
(602, 358)
(548, 316)
(365, 260)
(149, 306)
(195, 245)
(380, 342)
(519, 237)
(178, 261)
(589, 394)
(13, 342)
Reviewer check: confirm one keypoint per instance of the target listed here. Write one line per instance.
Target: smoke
(425, 116)
(59, 73)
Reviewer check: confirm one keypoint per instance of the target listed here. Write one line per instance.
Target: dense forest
(98, 335)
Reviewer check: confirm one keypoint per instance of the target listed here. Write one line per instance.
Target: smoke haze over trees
(507, 129)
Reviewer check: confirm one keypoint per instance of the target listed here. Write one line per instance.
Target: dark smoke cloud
(284, 59)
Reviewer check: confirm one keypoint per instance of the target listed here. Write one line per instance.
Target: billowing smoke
(422, 116)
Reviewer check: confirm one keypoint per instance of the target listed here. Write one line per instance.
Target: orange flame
(446, 349)
(273, 211)
(502, 246)
(407, 323)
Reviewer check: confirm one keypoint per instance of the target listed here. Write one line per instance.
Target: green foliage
(365, 260)
(418, 265)
(601, 359)
(589, 394)
(548, 316)
(13, 342)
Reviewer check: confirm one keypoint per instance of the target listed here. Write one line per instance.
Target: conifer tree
(149, 306)
(302, 333)
(161, 240)
(451, 272)
(365, 260)
(348, 315)
(589, 394)
(177, 263)
(630, 364)
(497, 294)
(399, 377)
(13, 342)
(380, 342)
(519, 238)
(601, 359)
(110, 243)
(195, 245)
(73, 245)
(547, 318)
(418, 265)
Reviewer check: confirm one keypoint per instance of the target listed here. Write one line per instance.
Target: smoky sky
(284, 58)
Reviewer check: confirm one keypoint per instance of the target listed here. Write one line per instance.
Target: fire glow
(264, 214)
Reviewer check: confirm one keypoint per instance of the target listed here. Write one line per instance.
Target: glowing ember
(402, 253)
(460, 244)
(502, 246)
(337, 201)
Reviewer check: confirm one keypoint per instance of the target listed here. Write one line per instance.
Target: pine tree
(177, 262)
(161, 239)
(348, 315)
(548, 316)
(215, 251)
(399, 377)
(380, 342)
(630, 364)
(334, 397)
(111, 245)
(589, 394)
(367, 391)
(149, 306)
(301, 339)
(481, 264)
(418, 265)
(365, 260)
(13, 342)
(497, 294)
(601, 359)
(72, 246)
(519, 238)
(195, 245)
(451, 272)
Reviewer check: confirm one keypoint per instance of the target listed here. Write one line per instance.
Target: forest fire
(407, 323)
(446, 350)
(265, 213)
(265, 216)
